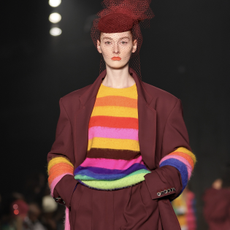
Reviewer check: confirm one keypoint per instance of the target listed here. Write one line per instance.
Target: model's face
(116, 48)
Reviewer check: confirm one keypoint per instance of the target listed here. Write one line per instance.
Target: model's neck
(118, 78)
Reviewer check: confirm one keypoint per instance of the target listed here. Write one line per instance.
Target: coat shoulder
(160, 95)
(74, 95)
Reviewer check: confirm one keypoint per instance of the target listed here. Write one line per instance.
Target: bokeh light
(55, 31)
(55, 17)
(54, 3)
(16, 212)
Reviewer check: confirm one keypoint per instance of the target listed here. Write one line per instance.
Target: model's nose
(116, 48)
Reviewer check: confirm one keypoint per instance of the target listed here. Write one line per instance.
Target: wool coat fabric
(161, 131)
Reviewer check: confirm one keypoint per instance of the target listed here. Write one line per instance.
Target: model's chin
(117, 65)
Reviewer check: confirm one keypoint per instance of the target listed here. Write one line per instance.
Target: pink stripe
(110, 163)
(189, 167)
(117, 133)
(55, 181)
(67, 222)
(52, 186)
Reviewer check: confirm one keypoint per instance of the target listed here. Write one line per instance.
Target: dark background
(186, 51)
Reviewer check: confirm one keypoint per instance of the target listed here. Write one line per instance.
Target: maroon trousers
(126, 209)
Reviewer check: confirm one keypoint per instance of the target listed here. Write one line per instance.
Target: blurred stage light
(54, 3)
(55, 17)
(55, 31)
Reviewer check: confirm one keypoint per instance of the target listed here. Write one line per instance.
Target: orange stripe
(60, 167)
(114, 122)
(184, 155)
(116, 101)
(58, 170)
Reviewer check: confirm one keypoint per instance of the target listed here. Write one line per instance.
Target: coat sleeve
(177, 160)
(61, 161)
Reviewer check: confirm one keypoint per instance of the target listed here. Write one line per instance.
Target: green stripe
(116, 184)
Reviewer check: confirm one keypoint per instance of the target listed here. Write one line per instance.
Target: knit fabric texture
(113, 158)
(182, 159)
(58, 167)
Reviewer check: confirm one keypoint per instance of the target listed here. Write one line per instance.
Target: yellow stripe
(115, 111)
(57, 160)
(130, 92)
(184, 150)
(111, 143)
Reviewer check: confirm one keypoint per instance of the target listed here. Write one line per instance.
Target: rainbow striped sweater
(113, 158)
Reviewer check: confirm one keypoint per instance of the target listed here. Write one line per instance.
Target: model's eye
(107, 42)
(124, 42)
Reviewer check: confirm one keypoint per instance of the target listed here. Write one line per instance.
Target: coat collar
(93, 89)
(146, 116)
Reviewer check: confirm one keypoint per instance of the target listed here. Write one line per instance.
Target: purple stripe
(183, 160)
(101, 173)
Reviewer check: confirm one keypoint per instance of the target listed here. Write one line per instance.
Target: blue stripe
(107, 174)
(180, 166)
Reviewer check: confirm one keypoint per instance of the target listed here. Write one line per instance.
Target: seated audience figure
(49, 207)
(217, 203)
(184, 207)
(15, 215)
(32, 220)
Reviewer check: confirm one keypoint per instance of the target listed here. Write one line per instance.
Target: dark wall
(186, 51)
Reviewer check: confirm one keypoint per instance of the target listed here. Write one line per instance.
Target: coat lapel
(147, 123)
(87, 101)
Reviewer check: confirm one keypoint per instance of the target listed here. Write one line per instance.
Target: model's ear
(99, 46)
(134, 46)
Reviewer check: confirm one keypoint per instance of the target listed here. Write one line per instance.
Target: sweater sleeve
(177, 161)
(61, 161)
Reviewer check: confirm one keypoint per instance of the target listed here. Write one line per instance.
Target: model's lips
(116, 58)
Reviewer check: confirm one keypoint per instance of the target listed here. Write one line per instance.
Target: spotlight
(55, 17)
(54, 3)
(55, 31)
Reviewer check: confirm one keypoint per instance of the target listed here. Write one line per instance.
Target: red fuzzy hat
(120, 16)
(115, 23)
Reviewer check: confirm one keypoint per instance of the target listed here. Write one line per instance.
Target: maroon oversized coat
(161, 131)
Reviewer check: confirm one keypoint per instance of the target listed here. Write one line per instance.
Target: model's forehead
(116, 35)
